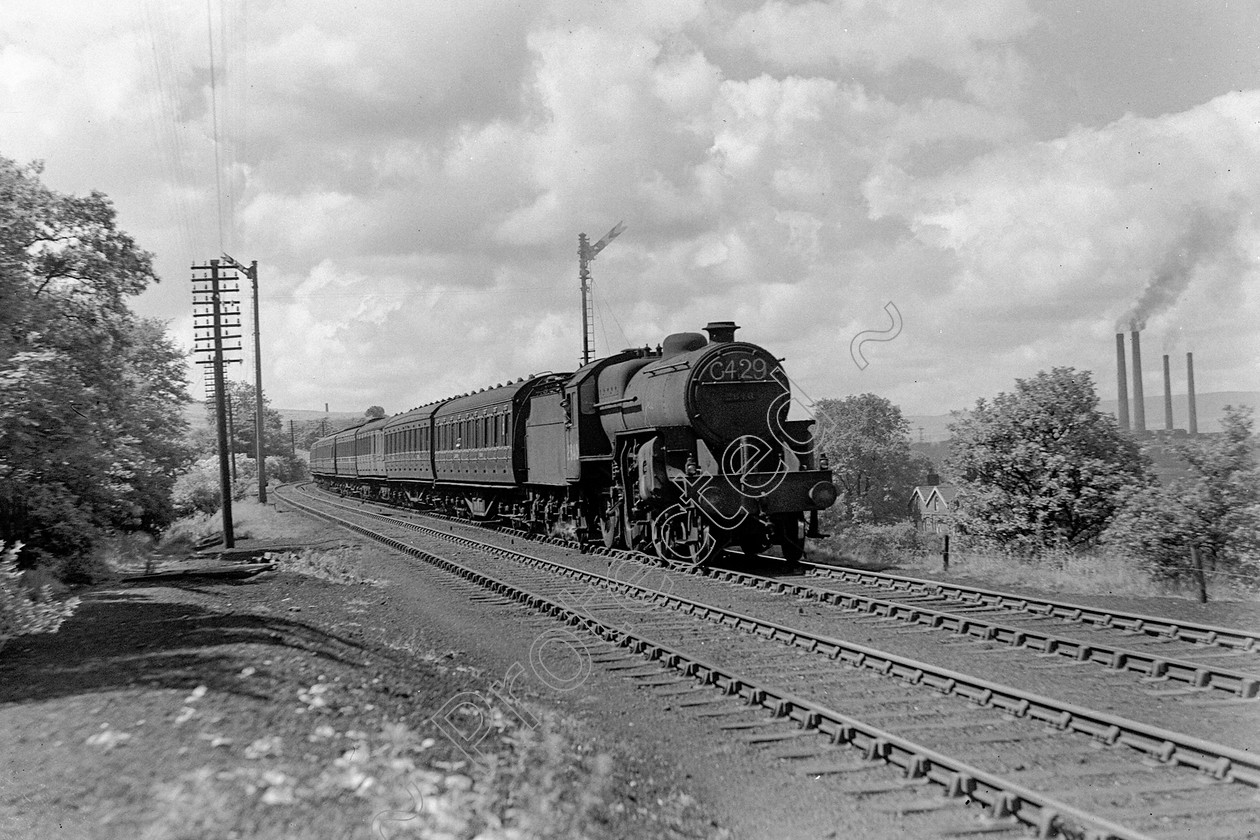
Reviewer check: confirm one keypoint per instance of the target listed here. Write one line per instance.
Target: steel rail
(1217, 760)
(1189, 631)
(1002, 798)
(1152, 666)
(1152, 625)
(1117, 658)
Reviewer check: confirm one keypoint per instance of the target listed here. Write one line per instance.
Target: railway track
(849, 712)
(947, 595)
(1182, 659)
(1164, 653)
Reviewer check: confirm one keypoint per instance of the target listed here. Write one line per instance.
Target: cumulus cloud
(1143, 220)
(967, 41)
(412, 179)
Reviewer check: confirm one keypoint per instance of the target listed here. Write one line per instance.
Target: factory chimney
(1168, 416)
(1139, 399)
(1122, 383)
(1193, 421)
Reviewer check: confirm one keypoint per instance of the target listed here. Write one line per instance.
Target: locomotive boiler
(680, 451)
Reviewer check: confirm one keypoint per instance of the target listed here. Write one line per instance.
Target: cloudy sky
(1005, 181)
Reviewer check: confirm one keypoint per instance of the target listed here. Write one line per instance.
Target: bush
(197, 491)
(20, 613)
(884, 544)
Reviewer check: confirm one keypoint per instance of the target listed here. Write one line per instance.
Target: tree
(1042, 466)
(1216, 508)
(374, 412)
(242, 405)
(867, 441)
(313, 430)
(90, 423)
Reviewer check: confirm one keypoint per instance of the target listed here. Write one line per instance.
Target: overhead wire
(176, 136)
(164, 126)
(214, 123)
(612, 313)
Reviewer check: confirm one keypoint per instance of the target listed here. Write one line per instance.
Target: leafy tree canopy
(1216, 508)
(867, 440)
(242, 408)
(375, 412)
(90, 424)
(1042, 466)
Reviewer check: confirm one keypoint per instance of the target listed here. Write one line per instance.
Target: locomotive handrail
(612, 403)
(670, 368)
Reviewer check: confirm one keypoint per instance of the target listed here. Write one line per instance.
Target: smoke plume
(1207, 238)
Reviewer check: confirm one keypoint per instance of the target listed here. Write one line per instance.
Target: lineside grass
(1096, 572)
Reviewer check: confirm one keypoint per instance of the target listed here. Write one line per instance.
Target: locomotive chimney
(1122, 383)
(1139, 399)
(1192, 423)
(1168, 417)
(721, 332)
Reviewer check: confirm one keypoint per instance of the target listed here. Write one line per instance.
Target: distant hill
(196, 415)
(1210, 408)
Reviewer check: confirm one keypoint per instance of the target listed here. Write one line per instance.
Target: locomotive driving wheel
(682, 537)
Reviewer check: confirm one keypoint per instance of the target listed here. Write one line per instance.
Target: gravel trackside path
(288, 706)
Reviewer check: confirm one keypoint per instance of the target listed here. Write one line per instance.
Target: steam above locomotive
(680, 451)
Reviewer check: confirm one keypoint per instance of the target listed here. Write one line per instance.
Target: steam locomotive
(682, 450)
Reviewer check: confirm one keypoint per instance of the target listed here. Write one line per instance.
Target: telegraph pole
(220, 394)
(259, 447)
(586, 255)
(231, 415)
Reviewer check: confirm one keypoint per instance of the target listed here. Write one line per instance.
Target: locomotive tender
(681, 450)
